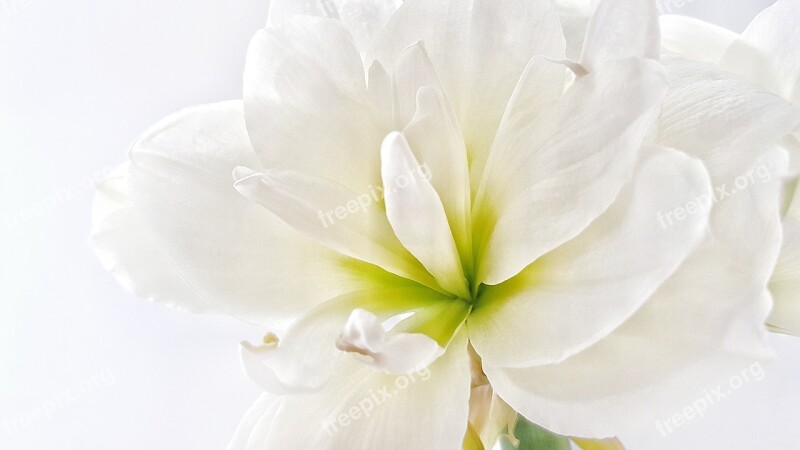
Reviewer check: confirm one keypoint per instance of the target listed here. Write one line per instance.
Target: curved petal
(436, 140)
(580, 292)
(307, 356)
(694, 38)
(621, 29)
(396, 353)
(263, 410)
(725, 121)
(364, 18)
(676, 345)
(418, 217)
(462, 41)
(126, 248)
(232, 255)
(767, 52)
(553, 177)
(307, 104)
(352, 224)
(785, 282)
(364, 409)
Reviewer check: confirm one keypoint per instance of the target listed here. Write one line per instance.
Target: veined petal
(694, 38)
(677, 344)
(354, 225)
(462, 40)
(725, 121)
(364, 18)
(307, 357)
(365, 409)
(307, 104)
(211, 249)
(620, 29)
(767, 52)
(127, 249)
(551, 178)
(580, 292)
(418, 217)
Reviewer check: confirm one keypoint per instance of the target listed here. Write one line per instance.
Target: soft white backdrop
(79, 80)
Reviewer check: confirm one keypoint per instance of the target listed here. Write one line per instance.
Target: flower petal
(725, 121)
(396, 353)
(354, 225)
(211, 249)
(620, 29)
(127, 249)
(677, 344)
(418, 217)
(551, 178)
(462, 41)
(694, 38)
(364, 409)
(263, 410)
(306, 358)
(767, 52)
(785, 282)
(307, 104)
(561, 305)
(364, 18)
(412, 71)
(435, 138)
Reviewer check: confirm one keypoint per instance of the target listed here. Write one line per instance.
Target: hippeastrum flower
(447, 218)
(767, 54)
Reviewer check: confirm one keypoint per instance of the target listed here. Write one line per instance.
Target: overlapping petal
(177, 206)
(580, 292)
(366, 409)
(463, 41)
(551, 177)
(680, 342)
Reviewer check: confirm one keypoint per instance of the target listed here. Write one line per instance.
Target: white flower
(767, 54)
(527, 273)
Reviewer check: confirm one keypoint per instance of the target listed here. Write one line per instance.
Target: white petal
(694, 38)
(306, 357)
(785, 282)
(580, 292)
(263, 409)
(621, 29)
(365, 409)
(768, 51)
(703, 326)
(462, 40)
(412, 71)
(549, 179)
(307, 104)
(434, 136)
(364, 18)
(352, 224)
(723, 120)
(397, 353)
(418, 217)
(199, 245)
(128, 250)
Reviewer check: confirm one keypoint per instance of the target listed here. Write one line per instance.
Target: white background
(79, 80)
